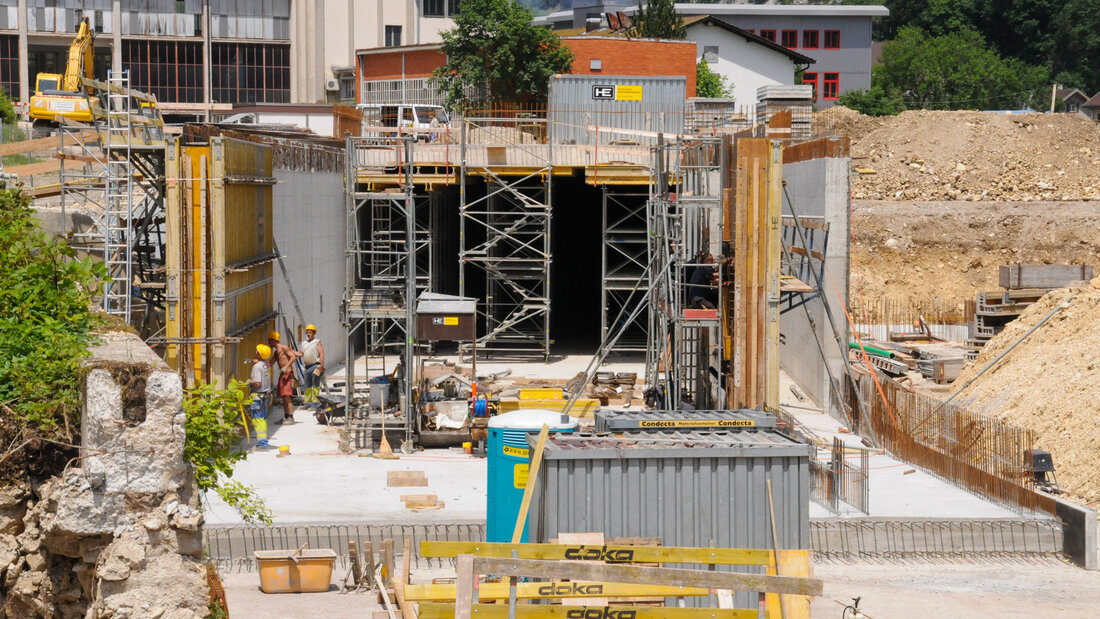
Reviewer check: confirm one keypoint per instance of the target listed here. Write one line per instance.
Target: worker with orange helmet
(284, 357)
(313, 356)
(260, 382)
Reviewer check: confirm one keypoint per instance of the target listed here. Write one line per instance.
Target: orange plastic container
(279, 573)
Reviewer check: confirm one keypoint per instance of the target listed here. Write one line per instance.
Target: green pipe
(871, 350)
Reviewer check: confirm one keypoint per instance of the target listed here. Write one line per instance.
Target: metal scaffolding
(624, 259)
(120, 187)
(387, 241)
(505, 233)
(685, 222)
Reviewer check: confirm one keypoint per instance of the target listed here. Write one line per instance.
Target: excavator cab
(63, 95)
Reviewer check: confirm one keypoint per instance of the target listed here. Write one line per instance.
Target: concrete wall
(1079, 533)
(819, 187)
(309, 230)
(747, 65)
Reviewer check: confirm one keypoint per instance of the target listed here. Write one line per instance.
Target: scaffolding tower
(624, 260)
(120, 186)
(505, 233)
(684, 215)
(388, 265)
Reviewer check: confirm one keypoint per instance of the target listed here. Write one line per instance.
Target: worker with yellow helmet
(313, 357)
(284, 357)
(260, 382)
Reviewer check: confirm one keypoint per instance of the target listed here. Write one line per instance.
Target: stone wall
(119, 532)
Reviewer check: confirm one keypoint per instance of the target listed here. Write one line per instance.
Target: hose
(878, 352)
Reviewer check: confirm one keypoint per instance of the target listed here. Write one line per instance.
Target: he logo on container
(603, 92)
(599, 553)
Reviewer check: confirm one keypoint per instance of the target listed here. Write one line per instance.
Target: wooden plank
(369, 562)
(529, 490)
(47, 143)
(401, 579)
(807, 222)
(30, 169)
(772, 261)
(795, 563)
(583, 539)
(356, 569)
(645, 575)
(387, 560)
(402, 479)
(794, 249)
(528, 611)
(548, 590)
(425, 504)
(608, 553)
(419, 497)
(464, 595)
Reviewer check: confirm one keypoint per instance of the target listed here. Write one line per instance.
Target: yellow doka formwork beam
(447, 611)
(552, 590)
(607, 553)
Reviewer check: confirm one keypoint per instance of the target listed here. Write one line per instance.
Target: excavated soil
(971, 156)
(1049, 383)
(948, 251)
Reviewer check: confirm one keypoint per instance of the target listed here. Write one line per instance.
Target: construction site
(600, 358)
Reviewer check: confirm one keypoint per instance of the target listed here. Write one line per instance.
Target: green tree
(495, 49)
(45, 322)
(710, 84)
(658, 19)
(956, 71)
(7, 111)
(873, 102)
(1075, 50)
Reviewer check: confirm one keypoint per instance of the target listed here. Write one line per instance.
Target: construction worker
(313, 356)
(260, 382)
(284, 358)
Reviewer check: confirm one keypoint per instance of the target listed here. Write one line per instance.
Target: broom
(384, 450)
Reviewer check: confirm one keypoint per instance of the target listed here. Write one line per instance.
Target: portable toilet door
(508, 465)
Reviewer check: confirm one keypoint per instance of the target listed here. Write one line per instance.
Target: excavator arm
(81, 58)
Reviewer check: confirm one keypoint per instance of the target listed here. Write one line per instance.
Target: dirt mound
(947, 251)
(1049, 383)
(927, 155)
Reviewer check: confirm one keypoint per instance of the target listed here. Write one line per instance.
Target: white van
(406, 116)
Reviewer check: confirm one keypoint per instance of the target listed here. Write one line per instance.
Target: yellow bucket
(279, 573)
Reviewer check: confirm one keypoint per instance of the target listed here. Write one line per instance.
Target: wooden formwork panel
(220, 250)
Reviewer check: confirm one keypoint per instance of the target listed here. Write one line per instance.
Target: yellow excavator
(63, 95)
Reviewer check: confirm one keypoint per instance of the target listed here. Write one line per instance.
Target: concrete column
(24, 65)
(412, 23)
(206, 55)
(380, 28)
(116, 36)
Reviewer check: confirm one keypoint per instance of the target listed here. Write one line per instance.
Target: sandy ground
(961, 591)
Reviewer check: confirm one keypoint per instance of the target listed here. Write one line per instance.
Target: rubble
(118, 535)
(971, 156)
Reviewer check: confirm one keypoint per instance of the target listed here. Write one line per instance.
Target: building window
(809, 39)
(393, 36)
(809, 78)
(768, 34)
(452, 7)
(710, 53)
(9, 66)
(347, 88)
(790, 39)
(250, 73)
(169, 70)
(433, 8)
(830, 87)
(832, 39)
(181, 6)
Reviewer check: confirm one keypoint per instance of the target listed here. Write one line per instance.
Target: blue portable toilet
(508, 463)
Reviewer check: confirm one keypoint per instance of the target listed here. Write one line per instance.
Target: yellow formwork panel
(220, 249)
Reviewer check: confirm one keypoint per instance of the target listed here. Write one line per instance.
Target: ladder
(119, 213)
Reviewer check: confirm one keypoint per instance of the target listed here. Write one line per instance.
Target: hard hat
(311, 327)
(274, 335)
(264, 351)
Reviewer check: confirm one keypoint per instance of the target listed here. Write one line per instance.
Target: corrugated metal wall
(574, 105)
(220, 288)
(703, 500)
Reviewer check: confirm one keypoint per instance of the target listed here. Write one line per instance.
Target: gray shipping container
(698, 489)
(644, 103)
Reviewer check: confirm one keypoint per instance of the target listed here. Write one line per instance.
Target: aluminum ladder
(118, 207)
